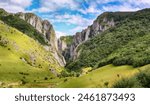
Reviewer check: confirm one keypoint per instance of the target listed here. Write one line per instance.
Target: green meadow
(102, 77)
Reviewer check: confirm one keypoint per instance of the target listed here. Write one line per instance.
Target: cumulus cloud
(128, 5)
(53, 5)
(124, 7)
(68, 19)
(15, 5)
(59, 34)
(77, 20)
(91, 9)
(77, 29)
(139, 3)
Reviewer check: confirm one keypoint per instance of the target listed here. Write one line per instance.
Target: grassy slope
(15, 46)
(100, 76)
(21, 25)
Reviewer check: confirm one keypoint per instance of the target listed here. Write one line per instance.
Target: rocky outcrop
(46, 29)
(42, 26)
(62, 45)
(101, 24)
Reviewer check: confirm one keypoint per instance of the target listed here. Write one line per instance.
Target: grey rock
(45, 28)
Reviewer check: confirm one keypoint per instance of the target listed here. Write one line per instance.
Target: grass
(12, 67)
(102, 77)
(24, 62)
(140, 80)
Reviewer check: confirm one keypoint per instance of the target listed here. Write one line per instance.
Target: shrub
(125, 83)
(23, 81)
(40, 66)
(77, 74)
(46, 78)
(106, 84)
(144, 79)
(65, 80)
(64, 73)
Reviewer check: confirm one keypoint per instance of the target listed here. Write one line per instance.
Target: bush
(106, 84)
(77, 74)
(64, 73)
(65, 80)
(125, 83)
(23, 81)
(144, 79)
(46, 78)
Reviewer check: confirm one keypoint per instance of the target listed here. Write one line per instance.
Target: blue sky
(71, 16)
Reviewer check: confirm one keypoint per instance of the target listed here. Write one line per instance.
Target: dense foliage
(21, 25)
(142, 79)
(126, 43)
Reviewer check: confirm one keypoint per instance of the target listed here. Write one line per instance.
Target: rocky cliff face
(64, 44)
(46, 28)
(101, 24)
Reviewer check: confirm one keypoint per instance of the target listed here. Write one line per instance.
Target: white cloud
(79, 20)
(91, 9)
(106, 1)
(53, 5)
(77, 29)
(68, 19)
(124, 7)
(15, 5)
(128, 5)
(59, 34)
(140, 3)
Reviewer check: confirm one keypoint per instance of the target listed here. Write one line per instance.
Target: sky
(71, 16)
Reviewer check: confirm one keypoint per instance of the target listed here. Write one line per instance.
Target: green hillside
(21, 25)
(24, 61)
(102, 77)
(126, 43)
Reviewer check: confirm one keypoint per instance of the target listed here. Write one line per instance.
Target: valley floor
(103, 77)
(20, 75)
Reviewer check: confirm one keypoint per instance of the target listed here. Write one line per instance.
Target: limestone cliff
(46, 29)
